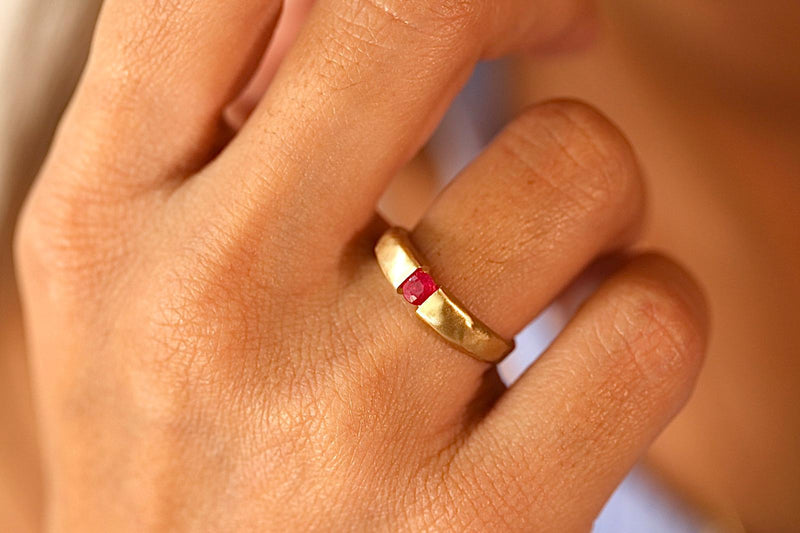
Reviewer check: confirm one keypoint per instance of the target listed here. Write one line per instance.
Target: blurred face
(753, 45)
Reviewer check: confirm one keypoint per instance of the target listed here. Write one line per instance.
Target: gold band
(398, 261)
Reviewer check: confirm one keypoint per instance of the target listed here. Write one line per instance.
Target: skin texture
(212, 343)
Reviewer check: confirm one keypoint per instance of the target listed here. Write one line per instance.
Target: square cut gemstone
(418, 287)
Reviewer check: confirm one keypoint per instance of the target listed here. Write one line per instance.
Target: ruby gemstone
(418, 287)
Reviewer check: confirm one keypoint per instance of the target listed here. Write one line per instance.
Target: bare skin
(708, 469)
(212, 343)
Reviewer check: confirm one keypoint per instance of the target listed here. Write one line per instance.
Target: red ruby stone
(418, 287)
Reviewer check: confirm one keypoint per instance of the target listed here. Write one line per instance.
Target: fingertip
(661, 311)
(680, 284)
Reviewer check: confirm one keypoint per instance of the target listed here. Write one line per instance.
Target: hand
(214, 346)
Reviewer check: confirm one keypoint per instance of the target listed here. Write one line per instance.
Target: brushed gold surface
(396, 256)
(446, 315)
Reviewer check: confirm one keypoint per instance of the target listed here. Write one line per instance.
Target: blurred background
(708, 91)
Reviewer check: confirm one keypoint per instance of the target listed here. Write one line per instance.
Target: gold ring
(400, 263)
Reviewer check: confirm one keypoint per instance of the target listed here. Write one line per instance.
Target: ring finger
(557, 188)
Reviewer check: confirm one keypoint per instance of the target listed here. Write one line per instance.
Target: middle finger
(363, 88)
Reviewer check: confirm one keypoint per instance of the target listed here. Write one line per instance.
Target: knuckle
(438, 20)
(215, 310)
(61, 236)
(590, 151)
(450, 17)
(439, 35)
(196, 296)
